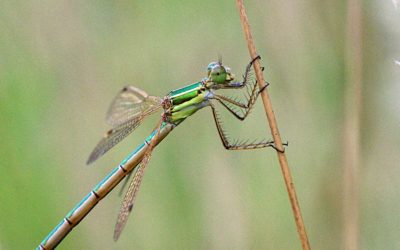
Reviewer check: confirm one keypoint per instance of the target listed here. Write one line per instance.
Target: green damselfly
(126, 113)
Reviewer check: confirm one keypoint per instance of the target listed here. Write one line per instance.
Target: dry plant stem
(351, 127)
(274, 129)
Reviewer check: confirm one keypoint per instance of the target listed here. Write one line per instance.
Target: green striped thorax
(183, 102)
(218, 76)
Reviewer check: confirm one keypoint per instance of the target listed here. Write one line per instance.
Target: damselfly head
(219, 76)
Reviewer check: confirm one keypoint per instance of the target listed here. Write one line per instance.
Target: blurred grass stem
(274, 129)
(351, 127)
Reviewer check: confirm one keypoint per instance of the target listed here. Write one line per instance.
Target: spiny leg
(246, 74)
(237, 145)
(129, 199)
(231, 109)
(252, 94)
(231, 104)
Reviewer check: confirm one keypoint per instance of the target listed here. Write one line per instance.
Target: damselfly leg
(237, 145)
(238, 109)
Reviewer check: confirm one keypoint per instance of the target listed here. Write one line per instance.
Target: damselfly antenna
(219, 59)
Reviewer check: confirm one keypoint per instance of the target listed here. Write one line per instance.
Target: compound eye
(218, 74)
(216, 69)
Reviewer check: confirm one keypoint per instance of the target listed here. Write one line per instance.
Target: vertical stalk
(351, 128)
(274, 129)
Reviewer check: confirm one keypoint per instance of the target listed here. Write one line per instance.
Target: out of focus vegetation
(62, 62)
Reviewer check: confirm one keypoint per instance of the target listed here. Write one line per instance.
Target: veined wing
(130, 103)
(126, 113)
(112, 137)
(129, 199)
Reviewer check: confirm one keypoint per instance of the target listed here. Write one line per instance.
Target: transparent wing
(130, 103)
(112, 137)
(126, 113)
(129, 199)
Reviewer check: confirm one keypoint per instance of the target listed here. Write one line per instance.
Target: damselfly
(126, 113)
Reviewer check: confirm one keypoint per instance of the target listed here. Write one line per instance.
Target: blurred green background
(62, 62)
